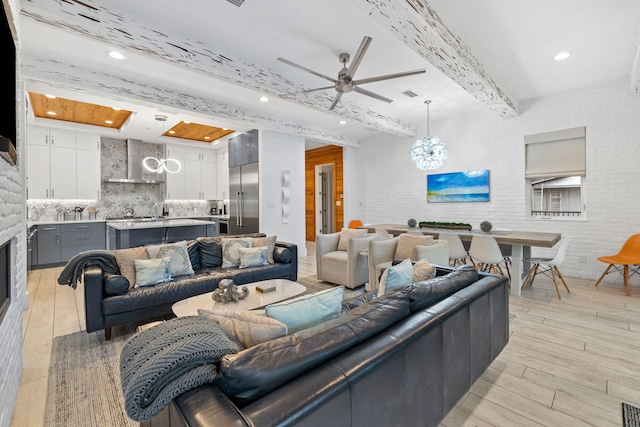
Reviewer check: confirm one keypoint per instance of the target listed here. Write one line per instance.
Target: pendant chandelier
(428, 152)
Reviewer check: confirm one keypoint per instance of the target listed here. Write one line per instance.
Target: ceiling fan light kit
(429, 152)
(345, 82)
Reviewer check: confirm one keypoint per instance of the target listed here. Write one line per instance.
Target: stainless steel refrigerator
(244, 208)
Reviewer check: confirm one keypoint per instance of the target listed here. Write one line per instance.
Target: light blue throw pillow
(396, 277)
(150, 272)
(308, 310)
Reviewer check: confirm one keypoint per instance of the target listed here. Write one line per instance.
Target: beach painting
(467, 186)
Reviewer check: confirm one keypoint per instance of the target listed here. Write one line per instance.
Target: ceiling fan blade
(309, 90)
(388, 77)
(335, 101)
(331, 79)
(355, 63)
(373, 95)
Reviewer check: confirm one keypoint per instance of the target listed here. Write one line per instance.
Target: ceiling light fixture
(116, 55)
(50, 96)
(562, 55)
(109, 122)
(264, 99)
(51, 113)
(428, 152)
(343, 122)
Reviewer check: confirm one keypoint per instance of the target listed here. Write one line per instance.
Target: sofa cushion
(177, 252)
(193, 248)
(210, 248)
(407, 242)
(282, 255)
(125, 258)
(151, 272)
(269, 242)
(396, 277)
(348, 233)
(248, 328)
(429, 292)
(308, 310)
(115, 284)
(256, 371)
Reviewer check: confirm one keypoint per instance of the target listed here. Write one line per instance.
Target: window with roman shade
(555, 169)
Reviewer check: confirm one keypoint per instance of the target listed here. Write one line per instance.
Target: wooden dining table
(521, 243)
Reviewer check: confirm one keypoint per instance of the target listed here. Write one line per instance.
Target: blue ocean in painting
(468, 186)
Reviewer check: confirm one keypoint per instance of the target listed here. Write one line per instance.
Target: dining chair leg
(604, 274)
(626, 279)
(531, 276)
(555, 282)
(562, 278)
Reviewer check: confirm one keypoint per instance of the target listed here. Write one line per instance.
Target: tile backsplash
(116, 197)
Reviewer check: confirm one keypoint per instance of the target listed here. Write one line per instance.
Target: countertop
(162, 223)
(34, 223)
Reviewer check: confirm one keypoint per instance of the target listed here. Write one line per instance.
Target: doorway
(324, 189)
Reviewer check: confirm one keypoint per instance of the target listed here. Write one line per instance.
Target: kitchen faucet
(154, 211)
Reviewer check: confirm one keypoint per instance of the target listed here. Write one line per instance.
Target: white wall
(278, 153)
(394, 190)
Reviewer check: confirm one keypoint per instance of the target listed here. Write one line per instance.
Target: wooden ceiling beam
(416, 23)
(93, 20)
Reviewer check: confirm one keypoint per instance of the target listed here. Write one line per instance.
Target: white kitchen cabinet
(197, 179)
(56, 170)
(222, 172)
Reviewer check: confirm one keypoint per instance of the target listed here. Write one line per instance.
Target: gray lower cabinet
(58, 243)
(48, 244)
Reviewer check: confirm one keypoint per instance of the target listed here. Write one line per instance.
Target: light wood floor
(569, 362)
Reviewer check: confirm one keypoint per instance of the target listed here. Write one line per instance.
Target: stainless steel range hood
(134, 166)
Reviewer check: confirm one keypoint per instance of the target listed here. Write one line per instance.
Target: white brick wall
(12, 227)
(392, 190)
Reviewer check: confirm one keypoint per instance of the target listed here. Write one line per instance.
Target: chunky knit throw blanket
(159, 363)
(72, 272)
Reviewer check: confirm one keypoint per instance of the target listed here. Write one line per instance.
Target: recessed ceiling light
(172, 132)
(225, 129)
(264, 99)
(343, 122)
(51, 113)
(50, 96)
(187, 122)
(116, 108)
(116, 55)
(562, 55)
(109, 122)
(207, 137)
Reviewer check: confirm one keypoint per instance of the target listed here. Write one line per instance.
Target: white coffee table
(284, 289)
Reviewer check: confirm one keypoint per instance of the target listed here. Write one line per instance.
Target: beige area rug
(84, 380)
(84, 376)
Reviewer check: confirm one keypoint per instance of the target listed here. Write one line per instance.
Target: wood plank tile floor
(569, 362)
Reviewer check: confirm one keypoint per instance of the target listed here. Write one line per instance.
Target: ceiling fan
(345, 83)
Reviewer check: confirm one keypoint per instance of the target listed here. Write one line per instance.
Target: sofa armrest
(93, 296)
(436, 253)
(205, 404)
(293, 248)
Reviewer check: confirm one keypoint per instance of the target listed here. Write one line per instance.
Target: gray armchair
(348, 268)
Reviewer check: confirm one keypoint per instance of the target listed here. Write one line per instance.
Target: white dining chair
(415, 233)
(488, 257)
(549, 266)
(383, 234)
(458, 255)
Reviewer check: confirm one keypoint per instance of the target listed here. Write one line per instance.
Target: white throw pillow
(269, 242)
(250, 329)
(348, 233)
(179, 254)
(407, 242)
(422, 270)
(231, 250)
(151, 272)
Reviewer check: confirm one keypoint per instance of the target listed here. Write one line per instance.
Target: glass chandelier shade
(428, 152)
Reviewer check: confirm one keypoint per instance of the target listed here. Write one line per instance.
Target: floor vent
(236, 2)
(409, 93)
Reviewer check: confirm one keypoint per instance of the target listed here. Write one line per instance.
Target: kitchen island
(123, 234)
